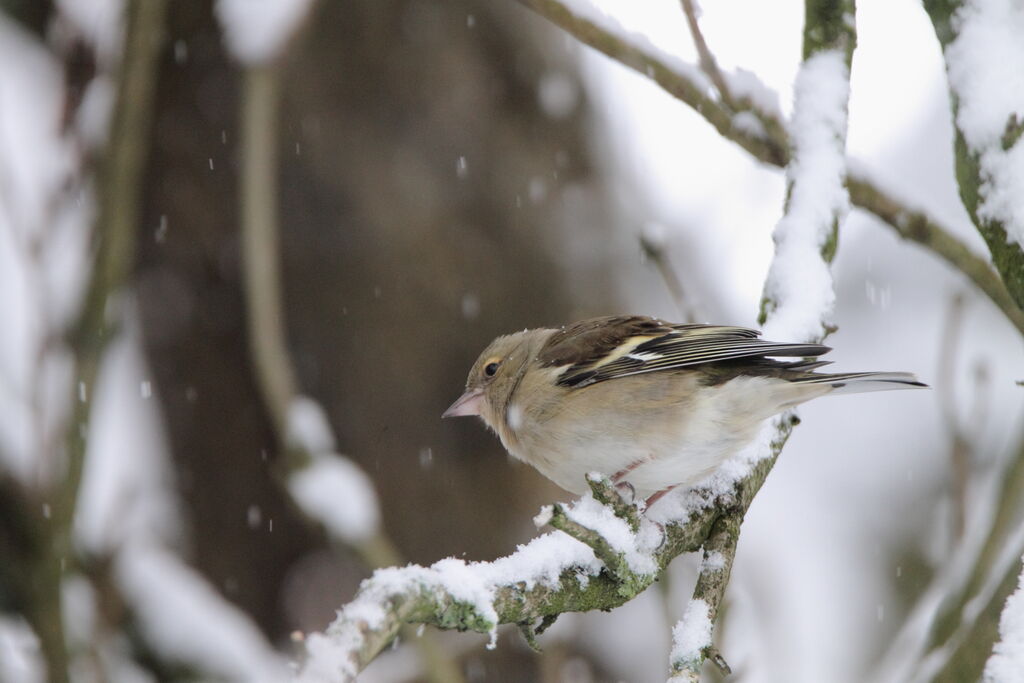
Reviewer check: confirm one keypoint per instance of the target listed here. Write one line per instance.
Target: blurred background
(449, 171)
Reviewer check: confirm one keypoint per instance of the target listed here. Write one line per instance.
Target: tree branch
(988, 128)
(916, 226)
(99, 315)
(713, 579)
(708, 63)
(522, 588)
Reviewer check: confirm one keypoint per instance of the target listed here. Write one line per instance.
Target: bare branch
(708, 63)
(654, 250)
(916, 226)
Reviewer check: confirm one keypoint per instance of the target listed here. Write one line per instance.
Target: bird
(650, 404)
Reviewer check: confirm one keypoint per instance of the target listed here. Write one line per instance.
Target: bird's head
(494, 377)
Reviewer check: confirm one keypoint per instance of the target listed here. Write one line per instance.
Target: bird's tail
(859, 382)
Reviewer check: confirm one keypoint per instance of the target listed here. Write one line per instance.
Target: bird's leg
(624, 488)
(657, 496)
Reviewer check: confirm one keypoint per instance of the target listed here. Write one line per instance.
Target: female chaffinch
(652, 404)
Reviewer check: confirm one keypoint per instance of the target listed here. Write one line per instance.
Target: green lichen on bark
(1007, 256)
(941, 13)
(829, 25)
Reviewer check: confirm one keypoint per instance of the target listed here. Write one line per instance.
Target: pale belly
(653, 444)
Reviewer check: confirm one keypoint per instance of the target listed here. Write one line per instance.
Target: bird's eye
(491, 368)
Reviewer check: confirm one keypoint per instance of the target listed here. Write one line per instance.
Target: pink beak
(467, 404)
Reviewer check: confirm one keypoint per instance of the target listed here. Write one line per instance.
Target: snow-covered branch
(985, 65)
(603, 555)
(760, 130)
(692, 635)
(1007, 660)
(553, 574)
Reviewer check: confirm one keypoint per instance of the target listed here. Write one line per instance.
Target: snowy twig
(984, 59)
(719, 552)
(605, 493)
(679, 79)
(301, 426)
(654, 249)
(615, 559)
(119, 199)
(708, 63)
(260, 242)
(771, 145)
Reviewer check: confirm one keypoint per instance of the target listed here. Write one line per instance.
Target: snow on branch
(184, 618)
(986, 71)
(691, 636)
(602, 555)
(757, 126)
(1007, 660)
(798, 297)
(257, 31)
(984, 57)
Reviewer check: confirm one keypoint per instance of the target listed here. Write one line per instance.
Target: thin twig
(713, 579)
(960, 447)
(916, 226)
(708, 63)
(97, 322)
(655, 251)
(260, 242)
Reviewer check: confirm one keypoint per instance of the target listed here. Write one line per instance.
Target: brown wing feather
(644, 345)
(587, 341)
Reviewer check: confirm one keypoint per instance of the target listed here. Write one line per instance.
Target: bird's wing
(606, 348)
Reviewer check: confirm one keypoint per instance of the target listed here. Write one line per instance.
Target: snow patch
(308, 426)
(745, 85)
(692, 633)
(1007, 660)
(799, 280)
(189, 622)
(256, 31)
(637, 548)
(335, 491)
